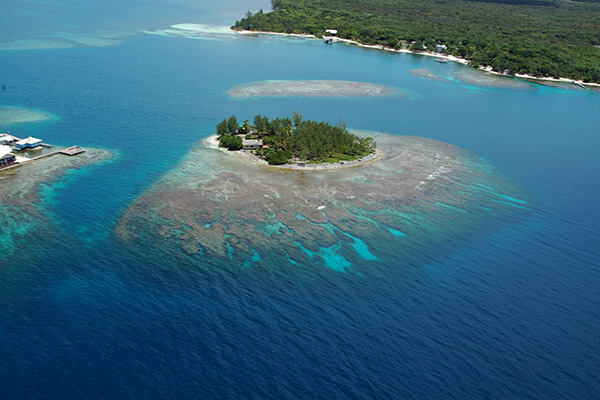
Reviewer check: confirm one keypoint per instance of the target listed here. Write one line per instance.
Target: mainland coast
(426, 53)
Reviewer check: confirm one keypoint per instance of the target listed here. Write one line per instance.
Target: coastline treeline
(543, 38)
(285, 138)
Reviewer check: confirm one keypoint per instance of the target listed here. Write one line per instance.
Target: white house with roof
(29, 143)
(5, 138)
(251, 144)
(6, 157)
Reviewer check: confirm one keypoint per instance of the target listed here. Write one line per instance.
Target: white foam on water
(434, 175)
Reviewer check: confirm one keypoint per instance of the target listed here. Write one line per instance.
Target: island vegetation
(280, 140)
(541, 38)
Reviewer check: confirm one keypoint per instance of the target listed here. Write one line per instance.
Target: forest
(294, 138)
(542, 38)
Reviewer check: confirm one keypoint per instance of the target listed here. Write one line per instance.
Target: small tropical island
(295, 142)
(242, 213)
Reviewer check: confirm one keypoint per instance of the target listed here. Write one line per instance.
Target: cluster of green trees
(230, 142)
(286, 138)
(544, 38)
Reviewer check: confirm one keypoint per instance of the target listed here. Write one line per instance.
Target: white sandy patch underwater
(196, 31)
(18, 115)
(222, 29)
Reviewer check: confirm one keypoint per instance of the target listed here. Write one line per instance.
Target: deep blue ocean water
(510, 310)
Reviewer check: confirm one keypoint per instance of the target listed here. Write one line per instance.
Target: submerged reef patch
(66, 40)
(10, 115)
(420, 195)
(22, 215)
(486, 79)
(426, 73)
(312, 88)
(474, 77)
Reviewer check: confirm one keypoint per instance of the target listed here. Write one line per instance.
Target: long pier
(68, 151)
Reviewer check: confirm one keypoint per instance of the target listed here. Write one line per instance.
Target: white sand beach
(425, 53)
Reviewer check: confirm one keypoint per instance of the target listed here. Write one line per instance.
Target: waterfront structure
(5, 139)
(28, 143)
(6, 157)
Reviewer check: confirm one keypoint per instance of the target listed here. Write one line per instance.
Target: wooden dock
(69, 151)
(72, 151)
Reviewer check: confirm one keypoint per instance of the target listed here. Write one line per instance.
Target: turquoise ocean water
(507, 308)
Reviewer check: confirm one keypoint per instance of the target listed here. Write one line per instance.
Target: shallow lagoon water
(220, 207)
(476, 78)
(505, 308)
(24, 216)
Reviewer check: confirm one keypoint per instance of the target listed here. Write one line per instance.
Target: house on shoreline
(6, 139)
(251, 144)
(28, 143)
(6, 157)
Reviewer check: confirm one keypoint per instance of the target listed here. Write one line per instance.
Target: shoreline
(213, 143)
(452, 58)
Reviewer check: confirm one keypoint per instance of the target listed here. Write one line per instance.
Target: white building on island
(29, 143)
(251, 144)
(6, 157)
(5, 138)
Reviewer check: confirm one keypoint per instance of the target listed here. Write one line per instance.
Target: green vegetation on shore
(543, 38)
(281, 139)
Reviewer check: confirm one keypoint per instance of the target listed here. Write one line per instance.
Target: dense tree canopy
(549, 38)
(286, 138)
